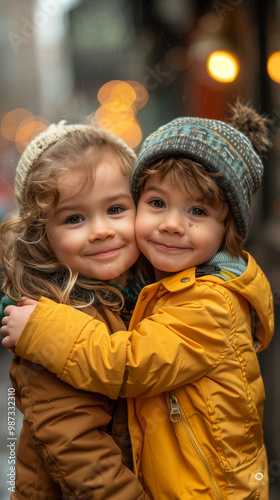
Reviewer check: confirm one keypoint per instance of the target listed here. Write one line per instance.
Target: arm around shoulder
(175, 345)
(61, 338)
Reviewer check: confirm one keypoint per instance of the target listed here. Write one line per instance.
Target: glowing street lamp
(273, 66)
(223, 66)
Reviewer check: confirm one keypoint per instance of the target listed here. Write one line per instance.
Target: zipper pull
(175, 413)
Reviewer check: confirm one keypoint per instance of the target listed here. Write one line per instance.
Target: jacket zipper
(176, 417)
(175, 412)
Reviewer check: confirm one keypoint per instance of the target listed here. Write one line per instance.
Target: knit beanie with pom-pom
(233, 149)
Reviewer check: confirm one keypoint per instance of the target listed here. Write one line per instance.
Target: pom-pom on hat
(230, 149)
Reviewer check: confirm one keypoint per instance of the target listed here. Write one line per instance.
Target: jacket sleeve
(177, 345)
(65, 435)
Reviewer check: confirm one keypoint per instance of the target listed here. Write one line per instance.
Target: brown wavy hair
(30, 267)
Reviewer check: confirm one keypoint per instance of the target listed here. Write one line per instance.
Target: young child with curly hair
(188, 363)
(72, 234)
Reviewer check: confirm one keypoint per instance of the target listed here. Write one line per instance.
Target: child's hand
(14, 322)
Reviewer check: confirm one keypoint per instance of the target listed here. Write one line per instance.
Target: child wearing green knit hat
(221, 149)
(188, 363)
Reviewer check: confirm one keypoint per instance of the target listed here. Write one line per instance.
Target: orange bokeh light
(142, 95)
(223, 66)
(128, 130)
(123, 92)
(116, 90)
(104, 94)
(119, 103)
(114, 113)
(132, 135)
(273, 67)
(28, 129)
(11, 121)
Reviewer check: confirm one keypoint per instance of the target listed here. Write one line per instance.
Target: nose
(100, 230)
(172, 222)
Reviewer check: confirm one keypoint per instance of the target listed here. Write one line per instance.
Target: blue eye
(197, 211)
(74, 219)
(115, 210)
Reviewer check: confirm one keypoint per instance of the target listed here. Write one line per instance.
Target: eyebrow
(76, 206)
(116, 197)
(204, 200)
(154, 188)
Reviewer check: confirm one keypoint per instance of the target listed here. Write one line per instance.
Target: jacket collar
(186, 278)
(247, 285)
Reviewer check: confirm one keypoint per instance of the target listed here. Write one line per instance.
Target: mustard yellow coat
(190, 365)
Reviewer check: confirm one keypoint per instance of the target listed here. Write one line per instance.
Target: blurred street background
(137, 64)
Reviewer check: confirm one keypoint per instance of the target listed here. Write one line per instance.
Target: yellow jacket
(189, 363)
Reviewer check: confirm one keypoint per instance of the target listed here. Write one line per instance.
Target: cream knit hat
(50, 136)
(35, 149)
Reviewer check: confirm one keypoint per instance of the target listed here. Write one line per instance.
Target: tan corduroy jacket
(63, 450)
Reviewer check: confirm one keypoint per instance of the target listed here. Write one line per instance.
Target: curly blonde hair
(29, 263)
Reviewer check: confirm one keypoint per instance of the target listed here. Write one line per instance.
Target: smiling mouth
(169, 248)
(104, 253)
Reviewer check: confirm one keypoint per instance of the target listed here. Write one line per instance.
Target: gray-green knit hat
(219, 147)
(50, 136)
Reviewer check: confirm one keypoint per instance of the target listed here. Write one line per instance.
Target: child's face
(174, 230)
(92, 230)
